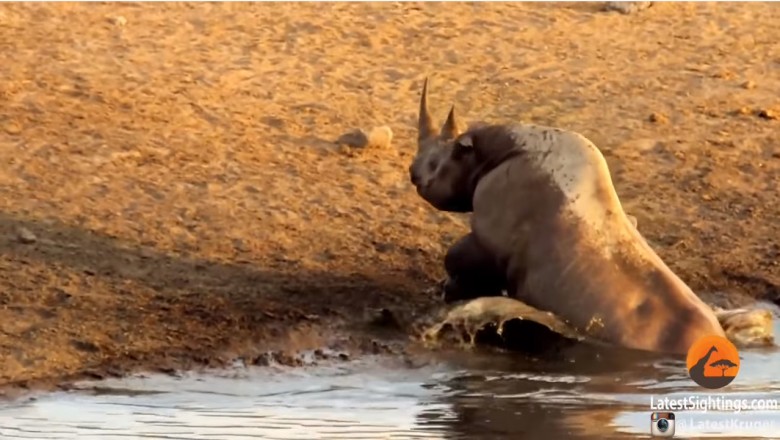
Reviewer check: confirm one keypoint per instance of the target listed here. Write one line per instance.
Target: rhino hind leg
(471, 272)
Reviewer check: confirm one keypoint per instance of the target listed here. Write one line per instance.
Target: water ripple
(375, 402)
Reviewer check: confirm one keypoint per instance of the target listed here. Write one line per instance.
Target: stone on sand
(627, 7)
(377, 137)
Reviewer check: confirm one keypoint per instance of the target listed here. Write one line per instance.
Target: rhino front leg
(471, 271)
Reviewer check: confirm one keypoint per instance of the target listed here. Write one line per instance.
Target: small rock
(378, 137)
(627, 7)
(658, 118)
(748, 85)
(25, 236)
(355, 139)
(724, 74)
(385, 318)
(85, 346)
(320, 354)
(383, 247)
(768, 114)
(13, 127)
(117, 20)
(95, 374)
(286, 359)
(743, 111)
(263, 360)
(170, 371)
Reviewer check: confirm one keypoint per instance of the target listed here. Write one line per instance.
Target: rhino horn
(425, 128)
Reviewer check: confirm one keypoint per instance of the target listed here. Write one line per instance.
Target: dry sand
(171, 195)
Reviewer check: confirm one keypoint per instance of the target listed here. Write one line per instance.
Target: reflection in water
(462, 396)
(545, 401)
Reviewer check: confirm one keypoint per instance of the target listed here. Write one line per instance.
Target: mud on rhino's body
(548, 226)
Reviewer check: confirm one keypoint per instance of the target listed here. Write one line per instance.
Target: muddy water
(456, 396)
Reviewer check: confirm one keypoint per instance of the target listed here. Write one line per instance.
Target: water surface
(456, 396)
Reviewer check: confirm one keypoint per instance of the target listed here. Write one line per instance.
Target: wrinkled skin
(473, 272)
(548, 227)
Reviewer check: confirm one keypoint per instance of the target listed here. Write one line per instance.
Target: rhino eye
(432, 165)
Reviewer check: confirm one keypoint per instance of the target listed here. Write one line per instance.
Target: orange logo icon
(713, 362)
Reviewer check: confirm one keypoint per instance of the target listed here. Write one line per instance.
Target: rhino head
(441, 168)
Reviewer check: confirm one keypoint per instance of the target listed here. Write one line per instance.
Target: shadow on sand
(71, 297)
(95, 254)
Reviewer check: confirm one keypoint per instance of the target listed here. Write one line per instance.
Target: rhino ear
(464, 145)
